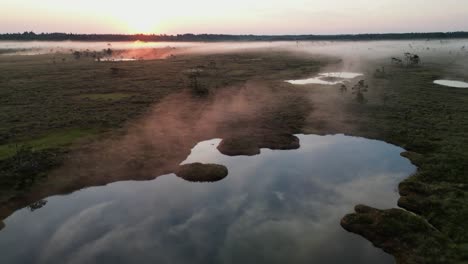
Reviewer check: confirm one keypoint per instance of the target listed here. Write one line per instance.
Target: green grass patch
(105, 96)
(56, 139)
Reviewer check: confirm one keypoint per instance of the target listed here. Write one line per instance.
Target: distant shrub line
(29, 36)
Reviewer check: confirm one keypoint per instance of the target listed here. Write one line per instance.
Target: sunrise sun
(144, 25)
(140, 21)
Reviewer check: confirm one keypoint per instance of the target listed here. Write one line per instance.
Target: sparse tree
(412, 59)
(380, 73)
(359, 89)
(37, 205)
(194, 83)
(343, 88)
(77, 55)
(397, 61)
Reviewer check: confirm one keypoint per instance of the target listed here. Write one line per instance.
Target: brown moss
(249, 146)
(406, 236)
(239, 147)
(198, 172)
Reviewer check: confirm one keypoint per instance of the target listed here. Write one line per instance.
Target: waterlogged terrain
(279, 206)
(76, 132)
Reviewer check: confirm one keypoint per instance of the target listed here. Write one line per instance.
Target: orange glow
(233, 17)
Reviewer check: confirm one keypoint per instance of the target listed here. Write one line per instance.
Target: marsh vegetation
(72, 123)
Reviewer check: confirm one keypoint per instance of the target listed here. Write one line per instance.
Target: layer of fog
(344, 49)
(354, 55)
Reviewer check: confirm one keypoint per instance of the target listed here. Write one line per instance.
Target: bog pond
(281, 206)
(328, 78)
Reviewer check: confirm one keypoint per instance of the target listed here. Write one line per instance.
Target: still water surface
(276, 207)
(322, 78)
(451, 83)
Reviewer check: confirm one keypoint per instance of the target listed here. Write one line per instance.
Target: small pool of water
(115, 59)
(323, 78)
(276, 207)
(451, 83)
(315, 80)
(344, 75)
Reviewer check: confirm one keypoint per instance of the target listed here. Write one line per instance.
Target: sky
(273, 17)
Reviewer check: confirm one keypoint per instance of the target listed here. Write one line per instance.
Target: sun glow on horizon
(139, 22)
(142, 27)
(136, 18)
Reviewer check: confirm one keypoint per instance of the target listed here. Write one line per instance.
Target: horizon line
(243, 34)
(190, 37)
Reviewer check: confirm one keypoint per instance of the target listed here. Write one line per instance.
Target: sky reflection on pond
(451, 83)
(276, 207)
(324, 78)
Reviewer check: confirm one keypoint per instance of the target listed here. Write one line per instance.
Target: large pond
(276, 207)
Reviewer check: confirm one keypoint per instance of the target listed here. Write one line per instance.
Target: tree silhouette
(343, 88)
(194, 83)
(359, 89)
(412, 59)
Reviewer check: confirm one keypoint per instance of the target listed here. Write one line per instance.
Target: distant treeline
(27, 36)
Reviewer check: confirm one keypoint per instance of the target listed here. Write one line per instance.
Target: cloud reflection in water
(276, 207)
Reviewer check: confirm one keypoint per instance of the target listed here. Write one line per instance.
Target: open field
(73, 124)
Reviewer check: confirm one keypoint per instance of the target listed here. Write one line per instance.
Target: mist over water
(354, 55)
(342, 49)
